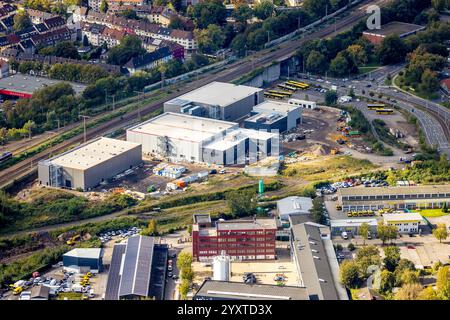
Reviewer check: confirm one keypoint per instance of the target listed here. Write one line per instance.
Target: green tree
(316, 62)
(316, 8)
(409, 292)
(440, 232)
(184, 260)
(443, 283)
(387, 281)
(184, 289)
(429, 82)
(392, 257)
(357, 53)
(21, 21)
(349, 274)
(339, 66)
(428, 293)
(364, 231)
(409, 277)
(210, 39)
(439, 5)
(104, 6)
(242, 202)
(331, 98)
(317, 210)
(264, 9)
(392, 50)
(367, 256)
(208, 12)
(28, 127)
(238, 45)
(242, 12)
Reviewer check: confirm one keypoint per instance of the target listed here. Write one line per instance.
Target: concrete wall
(270, 74)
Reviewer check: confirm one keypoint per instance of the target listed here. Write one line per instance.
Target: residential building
(140, 28)
(52, 38)
(411, 197)
(407, 222)
(38, 16)
(112, 37)
(151, 44)
(4, 69)
(246, 239)
(161, 15)
(352, 226)
(82, 260)
(89, 164)
(137, 270)
(149, 60)
(315, 260)
(217, 100)
(291, 206)
(54, 23)
(401, 29)
(272, 115)
(182, 137)
(224, 290)
(95, 4)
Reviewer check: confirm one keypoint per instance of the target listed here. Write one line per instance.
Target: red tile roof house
(445, 86)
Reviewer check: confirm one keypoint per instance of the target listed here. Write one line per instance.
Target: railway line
(282, 51)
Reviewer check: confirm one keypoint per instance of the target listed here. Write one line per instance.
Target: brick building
(250, 239)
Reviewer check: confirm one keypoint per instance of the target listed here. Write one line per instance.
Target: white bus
(303, 103)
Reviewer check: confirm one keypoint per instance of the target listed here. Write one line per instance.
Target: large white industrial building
(181, 137)
(89, 164)
(217, 100)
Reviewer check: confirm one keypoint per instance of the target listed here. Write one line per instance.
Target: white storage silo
(221, 267)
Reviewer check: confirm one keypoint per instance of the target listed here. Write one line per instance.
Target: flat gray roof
(28, 84)
(270, 106)
(93, 153)
(294, 205)
(312, 261)
(222, 290)
(93, 253)
(353, 222)
(402, 217)
(247, 224)
(182, 127)
(424, 189)
(219, 93)
(399, 28)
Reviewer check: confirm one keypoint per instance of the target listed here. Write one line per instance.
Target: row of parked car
(124, 233)
(332, 188)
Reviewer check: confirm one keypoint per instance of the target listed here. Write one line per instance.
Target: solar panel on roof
(129, 267)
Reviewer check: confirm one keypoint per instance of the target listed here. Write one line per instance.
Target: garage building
(352, 226)
(181, 137)
(82, 260)
(217, 100)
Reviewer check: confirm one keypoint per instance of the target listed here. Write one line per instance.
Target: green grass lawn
(364, 70)
(432, 213)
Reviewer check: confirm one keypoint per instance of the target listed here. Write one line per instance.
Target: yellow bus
(305, 85)
(375, 106)
(273, 95)
(385, 111)
(283, 93)
(286, 87)
(295, 85)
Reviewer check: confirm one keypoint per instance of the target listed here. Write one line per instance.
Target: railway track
(283, 50)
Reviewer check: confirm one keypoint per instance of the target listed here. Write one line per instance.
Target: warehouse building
(292, 206)
(401, 29)
(408, 222)
(82, 260)
(223, 290)
(24, 86)
(410, 197)
(352, 226)
(240, 239)
(89, 164)
(181, 137)
(137, 270)
(217, 100)
(271, 116)
(315, 260)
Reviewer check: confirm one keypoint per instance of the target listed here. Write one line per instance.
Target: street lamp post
(84, 124)
(141, 94)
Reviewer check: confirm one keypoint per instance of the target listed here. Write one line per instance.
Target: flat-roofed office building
(89, 164)
(410, 197)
